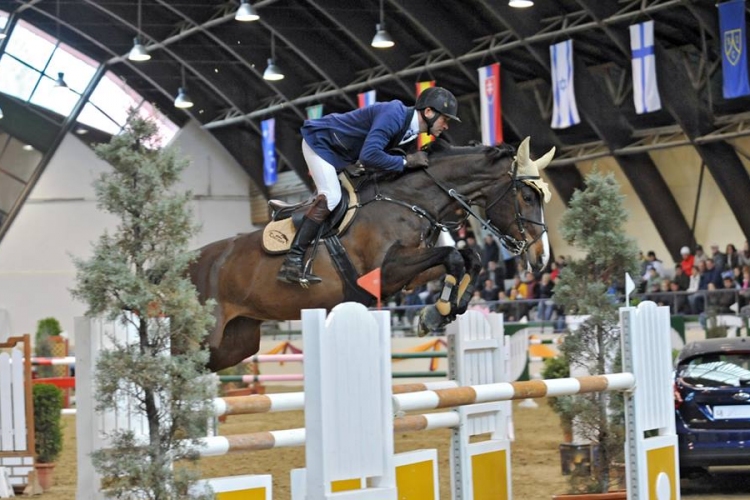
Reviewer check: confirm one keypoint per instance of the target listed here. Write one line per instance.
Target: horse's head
(515, 205)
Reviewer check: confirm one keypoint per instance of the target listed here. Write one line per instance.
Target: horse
(396, 225)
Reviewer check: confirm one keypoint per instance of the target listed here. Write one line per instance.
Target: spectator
(657, 264)
(490, 252)
(744, 256)
(732, 257)
(682, 279)
(489, 292)
(527, 289)
(688, 260)
(546, 304)
(744, 285)
(719, 258)
(700, 256)
(679, 300)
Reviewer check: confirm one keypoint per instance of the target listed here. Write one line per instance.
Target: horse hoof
(429, 321)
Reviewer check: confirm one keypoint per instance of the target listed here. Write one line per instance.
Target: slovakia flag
(489, 100)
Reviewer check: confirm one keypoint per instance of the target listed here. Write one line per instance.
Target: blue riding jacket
(363, 135)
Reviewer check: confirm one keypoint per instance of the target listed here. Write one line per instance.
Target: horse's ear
(545, 160)
(522, 157)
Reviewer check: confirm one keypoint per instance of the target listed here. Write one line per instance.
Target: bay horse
(394, 229)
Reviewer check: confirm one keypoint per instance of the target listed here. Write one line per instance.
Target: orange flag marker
(370, 282)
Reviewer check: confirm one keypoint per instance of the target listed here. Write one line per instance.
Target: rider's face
(440, 125)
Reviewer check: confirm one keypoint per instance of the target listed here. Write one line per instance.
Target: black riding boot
(292, 268)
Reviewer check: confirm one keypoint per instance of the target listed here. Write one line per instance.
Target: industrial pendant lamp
(273, 72)
(183, 100)
(382, 39)
(138, 52)
(520, 4)
(60, 81)
(246, 12)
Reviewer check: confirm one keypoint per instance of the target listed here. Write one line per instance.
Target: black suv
(712, 403)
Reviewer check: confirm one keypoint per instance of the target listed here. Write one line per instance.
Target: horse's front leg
(403, 265)
(468, 283)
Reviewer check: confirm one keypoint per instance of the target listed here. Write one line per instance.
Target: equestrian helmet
(440, 100)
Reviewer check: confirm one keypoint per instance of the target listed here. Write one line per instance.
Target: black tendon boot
(292, 269)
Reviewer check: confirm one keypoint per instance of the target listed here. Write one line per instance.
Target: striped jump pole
(294, 401)
(508, 391)
(294, 438)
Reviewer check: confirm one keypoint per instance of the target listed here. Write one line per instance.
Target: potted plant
(591, 286)
(48, 403)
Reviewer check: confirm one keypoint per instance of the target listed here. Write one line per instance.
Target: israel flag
(645, 90)
(565, 109)
(366, 98)
(268, 127)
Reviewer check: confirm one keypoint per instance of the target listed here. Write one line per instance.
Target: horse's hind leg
(240, 339)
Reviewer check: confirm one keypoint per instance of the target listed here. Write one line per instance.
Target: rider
(364, 135)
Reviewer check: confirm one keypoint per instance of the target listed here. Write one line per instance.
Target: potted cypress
(591, 286)
(48, 403)
(45, 328)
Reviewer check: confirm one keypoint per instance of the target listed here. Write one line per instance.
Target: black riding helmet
(440, 100)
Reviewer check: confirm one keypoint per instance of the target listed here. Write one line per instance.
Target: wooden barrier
(17, 451)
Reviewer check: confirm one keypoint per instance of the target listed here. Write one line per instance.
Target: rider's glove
(416, 160)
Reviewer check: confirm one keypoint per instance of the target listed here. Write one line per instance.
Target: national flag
(490, 105)
(645, 90)
(366, 98)
(424, 138)
(734, 50)
(314, 111)
(268, 127)
(564, 110)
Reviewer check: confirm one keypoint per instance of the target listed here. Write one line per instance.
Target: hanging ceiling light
(138, 52)
(520, 4)
(273, 72)
(60, 82)
(246, 12)
(183, 100)
(3, 34)
(1, 113)
(382, 39)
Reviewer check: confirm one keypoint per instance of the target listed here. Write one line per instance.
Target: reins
(514, 245)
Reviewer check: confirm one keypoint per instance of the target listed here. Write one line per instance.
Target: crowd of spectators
(700, 284)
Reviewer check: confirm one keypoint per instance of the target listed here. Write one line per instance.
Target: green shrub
(48, 403)
(45, 328)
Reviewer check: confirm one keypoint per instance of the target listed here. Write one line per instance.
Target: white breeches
(324, 175)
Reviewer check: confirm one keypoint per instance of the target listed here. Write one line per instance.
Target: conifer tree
(592, 286)
(137, 274)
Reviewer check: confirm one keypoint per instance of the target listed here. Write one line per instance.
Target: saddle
(286, 218)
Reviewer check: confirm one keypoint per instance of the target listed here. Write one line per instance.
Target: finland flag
(564, 110)
(645, 90)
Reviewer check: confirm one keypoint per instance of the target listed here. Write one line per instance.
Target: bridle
(515, 246)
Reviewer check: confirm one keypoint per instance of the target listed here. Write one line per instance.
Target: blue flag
(269, 151)
(733, 48)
